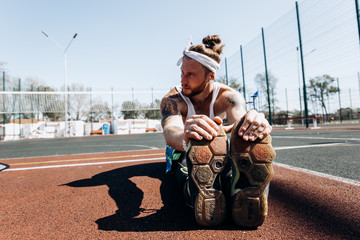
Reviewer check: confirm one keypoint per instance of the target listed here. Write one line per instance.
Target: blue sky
(122, 44)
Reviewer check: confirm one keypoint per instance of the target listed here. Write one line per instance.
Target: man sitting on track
(197, 147)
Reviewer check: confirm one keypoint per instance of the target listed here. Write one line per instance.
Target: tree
(260, 80)
(31, 105)
(98, 111)
(130, 109)
(281, 117)
(33, 84)
(78, 107)
(154, 110)
(346, 114)
(48, 110)
(322, 87)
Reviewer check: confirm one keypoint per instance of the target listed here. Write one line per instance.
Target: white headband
(206, 61)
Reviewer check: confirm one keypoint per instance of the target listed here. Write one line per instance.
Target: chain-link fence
(85, 106)
(40, 114)
(318, 40)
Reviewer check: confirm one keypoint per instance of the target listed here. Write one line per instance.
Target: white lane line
(308, 146)
(74, 154)
(320, 138)
(324, 175)
(145, 146)
(83, 164)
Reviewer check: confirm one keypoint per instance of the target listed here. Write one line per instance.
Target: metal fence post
(242, 71)
(302, 67)
(19, 108)
(266, 76)
(4, 115)
(339, 99)
(357, 17)
(226, 73)
(32, 107)
(112, 103)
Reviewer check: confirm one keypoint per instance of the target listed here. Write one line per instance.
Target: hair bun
(211, 46)
(211, 41)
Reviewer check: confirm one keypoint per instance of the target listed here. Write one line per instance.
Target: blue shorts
(172, 159)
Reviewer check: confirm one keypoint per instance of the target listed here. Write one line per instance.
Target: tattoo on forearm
(230, 100)
(235, 101)
(168, 108)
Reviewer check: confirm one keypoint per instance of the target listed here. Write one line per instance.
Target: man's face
(193, 78)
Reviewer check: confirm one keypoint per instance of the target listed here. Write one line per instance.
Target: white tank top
(190, 106)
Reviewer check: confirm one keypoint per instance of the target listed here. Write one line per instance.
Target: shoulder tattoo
(168, 108)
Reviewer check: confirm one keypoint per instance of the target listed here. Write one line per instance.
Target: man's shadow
(173, 216)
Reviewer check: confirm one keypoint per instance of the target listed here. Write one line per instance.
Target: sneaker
(206, 161)
(252, 172)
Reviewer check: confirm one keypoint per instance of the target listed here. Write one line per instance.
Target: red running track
(123, 196)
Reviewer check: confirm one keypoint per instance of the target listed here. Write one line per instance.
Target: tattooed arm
(172, 123)
(254, 126)
(235, 106)
(175, 130)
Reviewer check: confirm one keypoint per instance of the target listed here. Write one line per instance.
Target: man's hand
(254, 126)
(200, 127)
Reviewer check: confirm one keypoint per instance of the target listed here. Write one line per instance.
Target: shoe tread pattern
(252, 173)
(208, 159)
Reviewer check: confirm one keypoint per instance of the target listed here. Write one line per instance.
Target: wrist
(185, 145)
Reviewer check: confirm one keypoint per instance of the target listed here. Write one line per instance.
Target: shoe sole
(208, 159)
(252, 160)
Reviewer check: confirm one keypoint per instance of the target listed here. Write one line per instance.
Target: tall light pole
(65, 74)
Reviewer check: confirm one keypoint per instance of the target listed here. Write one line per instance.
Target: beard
(196, 91)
